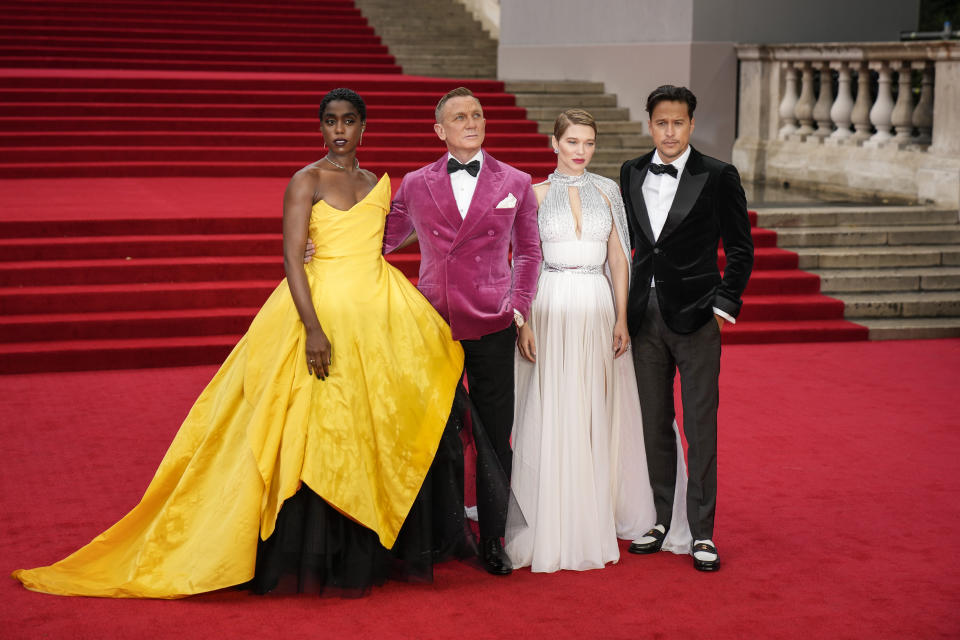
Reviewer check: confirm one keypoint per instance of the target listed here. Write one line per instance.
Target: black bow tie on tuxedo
(657, 169)
(472, 167)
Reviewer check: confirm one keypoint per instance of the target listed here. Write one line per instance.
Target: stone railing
(882, 118)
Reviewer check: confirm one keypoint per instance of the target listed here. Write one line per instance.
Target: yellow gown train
(363, 439)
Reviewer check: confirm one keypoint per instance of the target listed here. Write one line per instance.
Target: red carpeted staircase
(143, 151)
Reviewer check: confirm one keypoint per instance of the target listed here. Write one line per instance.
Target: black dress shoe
(643, 548)
(494, 558)
(706, 565)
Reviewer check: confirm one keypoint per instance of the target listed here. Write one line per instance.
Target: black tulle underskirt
(316, 549)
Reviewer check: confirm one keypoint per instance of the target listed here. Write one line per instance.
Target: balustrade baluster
(883, 107)
(901, 118)
(922, 117)
(860, 116)
(842, 107)
(789, 101)
(804, 109)
(821, 110)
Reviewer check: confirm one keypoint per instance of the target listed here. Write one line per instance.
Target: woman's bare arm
(297, 203)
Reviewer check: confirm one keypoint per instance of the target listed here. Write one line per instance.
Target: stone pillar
(902, 115)
(821, 110)
(860, 116)
(842, 107)
(789, 102)
(883, 107)
(946, 98)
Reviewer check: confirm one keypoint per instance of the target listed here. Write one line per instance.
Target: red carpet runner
(138, 227)
(823, 459)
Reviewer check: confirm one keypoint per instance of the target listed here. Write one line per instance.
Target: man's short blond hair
(459, 92)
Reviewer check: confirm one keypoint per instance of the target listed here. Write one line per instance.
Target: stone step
(625, 141)
(433, 71)
(617, 155)
(583, 100)
(553, 86)
(433, 37)
(889, 280)
(442, 48)
(604, 126)
(914, 304)
(791, 217)
(877, 257)
(846, 236)
(446, 61)
(605, 114)
(912, 328)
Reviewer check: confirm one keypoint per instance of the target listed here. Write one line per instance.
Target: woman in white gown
(579, 467)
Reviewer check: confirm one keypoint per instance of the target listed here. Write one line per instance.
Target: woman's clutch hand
(526, 344)
(621, 338)
(319, 353)
(309, 251)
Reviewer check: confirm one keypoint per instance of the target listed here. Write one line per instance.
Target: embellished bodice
(562, 249)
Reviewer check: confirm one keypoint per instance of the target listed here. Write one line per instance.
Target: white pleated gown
(579, 468)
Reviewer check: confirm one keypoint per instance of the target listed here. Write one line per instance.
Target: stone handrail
(889, 98)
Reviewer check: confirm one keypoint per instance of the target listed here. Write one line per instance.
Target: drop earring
(556, 151)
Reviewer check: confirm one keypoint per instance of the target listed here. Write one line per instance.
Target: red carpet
(144, 149)
(838, 485)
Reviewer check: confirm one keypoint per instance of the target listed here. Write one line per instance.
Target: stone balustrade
(882, 118)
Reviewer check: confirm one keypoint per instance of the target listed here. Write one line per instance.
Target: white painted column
(842, 107)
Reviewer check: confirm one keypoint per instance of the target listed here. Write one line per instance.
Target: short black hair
(348, 95)
(670, 93)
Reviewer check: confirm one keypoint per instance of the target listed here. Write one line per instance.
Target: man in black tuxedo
(680, 204)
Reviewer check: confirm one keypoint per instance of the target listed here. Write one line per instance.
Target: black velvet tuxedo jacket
(709, 206)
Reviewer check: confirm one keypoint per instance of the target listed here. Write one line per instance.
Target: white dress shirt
(658, 194)
(465, 184)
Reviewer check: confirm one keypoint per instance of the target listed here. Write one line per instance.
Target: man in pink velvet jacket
(467, 210)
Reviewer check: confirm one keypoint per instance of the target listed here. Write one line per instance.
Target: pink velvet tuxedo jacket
(465, 269)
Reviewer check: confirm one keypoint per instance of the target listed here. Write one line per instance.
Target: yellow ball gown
(363, 439)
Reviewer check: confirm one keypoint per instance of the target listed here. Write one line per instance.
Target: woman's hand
(308, 251)
(621, 338)
(526, 343)
(319, 353)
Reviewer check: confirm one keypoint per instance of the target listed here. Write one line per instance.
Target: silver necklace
(356, 163)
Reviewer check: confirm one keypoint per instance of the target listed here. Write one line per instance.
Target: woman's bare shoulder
(540, 190)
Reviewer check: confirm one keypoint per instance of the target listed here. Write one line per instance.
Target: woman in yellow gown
(310, 448)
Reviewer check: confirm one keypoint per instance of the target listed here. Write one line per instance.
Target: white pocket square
(508, 202)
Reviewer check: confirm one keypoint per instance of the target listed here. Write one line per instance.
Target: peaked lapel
(692, 180)
(638, 174)
(438, 184)
(489, 182)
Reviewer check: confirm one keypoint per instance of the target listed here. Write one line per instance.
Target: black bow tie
(472, 167)
(657, 169)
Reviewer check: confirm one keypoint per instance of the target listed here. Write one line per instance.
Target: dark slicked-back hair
(459, 92)
(670, 93)
(348, 95)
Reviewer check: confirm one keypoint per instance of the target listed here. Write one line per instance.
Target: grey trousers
(658, 353)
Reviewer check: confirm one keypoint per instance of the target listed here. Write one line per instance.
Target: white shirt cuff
(724, 315)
